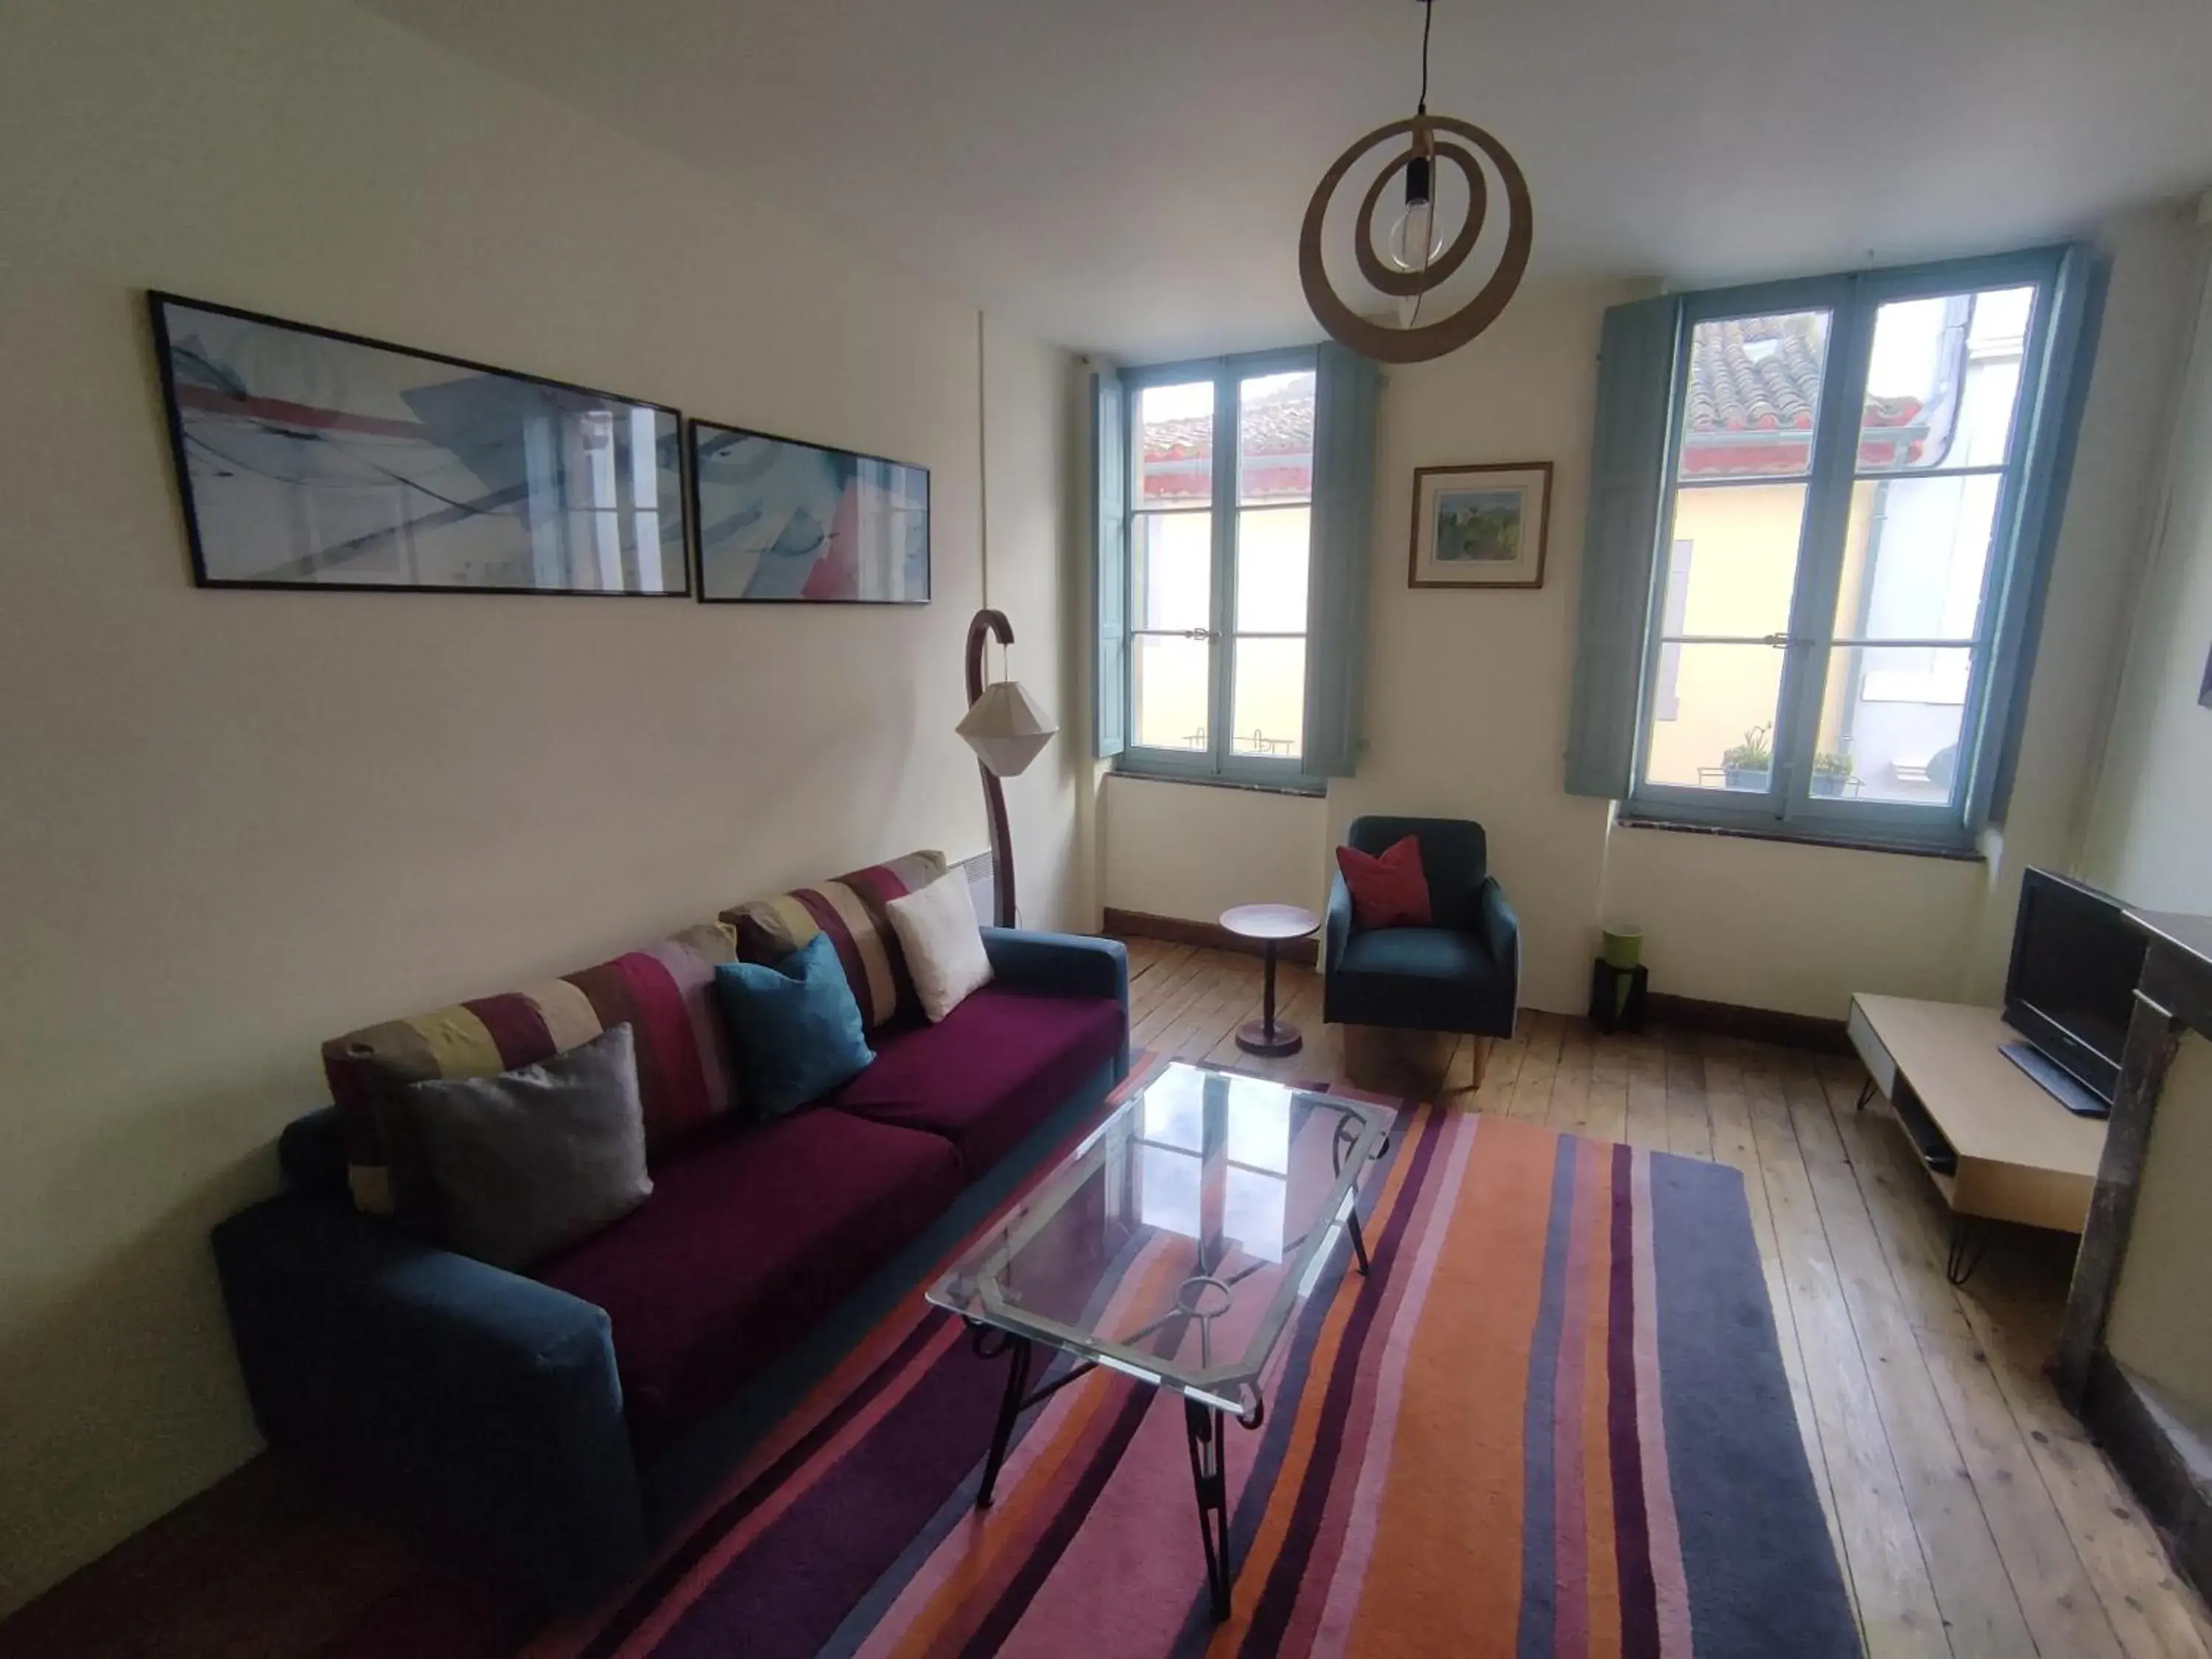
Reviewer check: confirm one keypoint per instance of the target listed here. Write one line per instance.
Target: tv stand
(1995, 1144)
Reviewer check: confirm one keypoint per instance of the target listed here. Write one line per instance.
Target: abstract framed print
(786, 522)
(307, 457)
(1480, 526)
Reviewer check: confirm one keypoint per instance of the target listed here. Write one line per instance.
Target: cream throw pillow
(936, 928)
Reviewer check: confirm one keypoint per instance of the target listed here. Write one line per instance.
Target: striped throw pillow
(850, 909)
(664, 992)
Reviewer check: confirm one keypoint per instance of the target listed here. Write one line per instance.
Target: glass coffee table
(1173, 1246)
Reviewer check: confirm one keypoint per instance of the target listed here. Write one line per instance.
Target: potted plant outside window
(1832, 774)
(1750, 764)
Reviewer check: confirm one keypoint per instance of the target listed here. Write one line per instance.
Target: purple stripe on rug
(1271, 1613)
(1639, 1604)
(786, 1593)
(663, 1578)
(1539, 1587)
(1763, 1577)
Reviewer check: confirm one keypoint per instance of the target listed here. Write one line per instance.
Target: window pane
(1944, 380)
(1175, 445)
(1272, 545)
(1890, 718)
(1270, 704)
(1753, 395)
(1168, 690)
(1745, 569)
(1274, 437)
(1171, 569)
(1721, 735)
(1914, 555)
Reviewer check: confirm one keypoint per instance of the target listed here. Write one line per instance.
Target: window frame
(1853, 301)
(1218, 762)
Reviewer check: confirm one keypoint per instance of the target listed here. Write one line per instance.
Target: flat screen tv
(2076, 960)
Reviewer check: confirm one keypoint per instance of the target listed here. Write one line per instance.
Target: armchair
(1462, 974)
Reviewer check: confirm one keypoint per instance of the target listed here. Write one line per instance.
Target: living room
(247, 820)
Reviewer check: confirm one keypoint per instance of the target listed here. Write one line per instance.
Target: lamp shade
(1007, 728)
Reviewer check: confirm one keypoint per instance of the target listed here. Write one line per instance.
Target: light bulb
(1413, 239)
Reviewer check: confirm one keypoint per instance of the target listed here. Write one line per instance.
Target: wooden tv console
(2016, 1153)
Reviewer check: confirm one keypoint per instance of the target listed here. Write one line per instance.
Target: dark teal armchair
(1463, 974)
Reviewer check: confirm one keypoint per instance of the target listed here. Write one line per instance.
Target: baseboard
(1207, 935)
(2151, 1452)
(1823, 1037)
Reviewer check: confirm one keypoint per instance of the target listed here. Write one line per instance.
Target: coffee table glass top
(1176, 1242)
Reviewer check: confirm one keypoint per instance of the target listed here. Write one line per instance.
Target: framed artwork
(307, 457)
(1480, 526)
(786, 522)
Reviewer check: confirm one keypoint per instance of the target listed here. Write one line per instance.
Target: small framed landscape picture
(798, 523)
(1480, 526)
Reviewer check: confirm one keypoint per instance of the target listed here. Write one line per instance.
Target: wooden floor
(1969, 1513)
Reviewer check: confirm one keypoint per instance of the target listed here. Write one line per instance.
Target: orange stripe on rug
(1453, 1511)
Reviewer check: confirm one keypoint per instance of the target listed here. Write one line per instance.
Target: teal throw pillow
(794, 1025)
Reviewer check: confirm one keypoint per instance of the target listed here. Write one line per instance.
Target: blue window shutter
(1343, 519)
(1109, 497)
(1628, 464)
(2077, 311)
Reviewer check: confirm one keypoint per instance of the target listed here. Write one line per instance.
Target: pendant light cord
(1428, 18)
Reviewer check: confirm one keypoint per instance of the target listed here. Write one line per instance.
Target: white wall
(1467, 694)
(234, 823)
(1190, 850)
(2151, 838)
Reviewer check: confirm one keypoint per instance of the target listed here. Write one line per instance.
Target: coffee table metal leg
(1205, 1426)
(1359, 1242)
(1009, 1408)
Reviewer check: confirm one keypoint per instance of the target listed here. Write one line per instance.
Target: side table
(1270, 924)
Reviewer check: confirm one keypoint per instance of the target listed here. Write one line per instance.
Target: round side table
(1270, 924)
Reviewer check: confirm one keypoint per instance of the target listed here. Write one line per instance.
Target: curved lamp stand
(988, 624)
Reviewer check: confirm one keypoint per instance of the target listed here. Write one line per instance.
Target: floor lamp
(1007, 729)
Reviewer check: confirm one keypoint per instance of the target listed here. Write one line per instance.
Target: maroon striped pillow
(850, 909)
(664, 992)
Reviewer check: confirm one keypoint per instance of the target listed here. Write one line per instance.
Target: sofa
(550, 1425)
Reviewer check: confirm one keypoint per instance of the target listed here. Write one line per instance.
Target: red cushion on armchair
(1390, 889)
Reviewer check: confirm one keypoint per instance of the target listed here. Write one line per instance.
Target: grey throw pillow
(539, 1158)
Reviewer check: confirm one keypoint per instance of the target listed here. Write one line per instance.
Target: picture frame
(785, 521)
(1481, 525)
(308, 457)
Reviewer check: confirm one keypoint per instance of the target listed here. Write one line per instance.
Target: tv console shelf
(1997, 1147)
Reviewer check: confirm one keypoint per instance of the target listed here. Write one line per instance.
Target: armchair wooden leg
(1478, 1062)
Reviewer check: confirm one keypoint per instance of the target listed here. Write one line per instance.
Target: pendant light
(1417, 260)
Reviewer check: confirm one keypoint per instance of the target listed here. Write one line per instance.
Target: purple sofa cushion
(745, 1243)
(989, 1073)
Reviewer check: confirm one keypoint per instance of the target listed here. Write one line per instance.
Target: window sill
(1627, 820)
(1312, 791)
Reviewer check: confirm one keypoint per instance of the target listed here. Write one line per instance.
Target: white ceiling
(1128, 175)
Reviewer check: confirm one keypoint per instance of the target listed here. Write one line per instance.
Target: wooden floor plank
(1689, 1125)
(1647, 1092)
(1981, 1613)
(1898, 1610)
(1568, 1110)
(1608, 1109)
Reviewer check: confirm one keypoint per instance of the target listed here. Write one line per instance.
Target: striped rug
(1553, 1422)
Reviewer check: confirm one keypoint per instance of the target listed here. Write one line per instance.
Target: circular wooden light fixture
(1419, 263)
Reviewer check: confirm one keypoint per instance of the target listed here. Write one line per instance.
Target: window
(1221, 467)
(1848, 458)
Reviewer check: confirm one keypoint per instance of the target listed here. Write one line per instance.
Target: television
(2070, 990)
